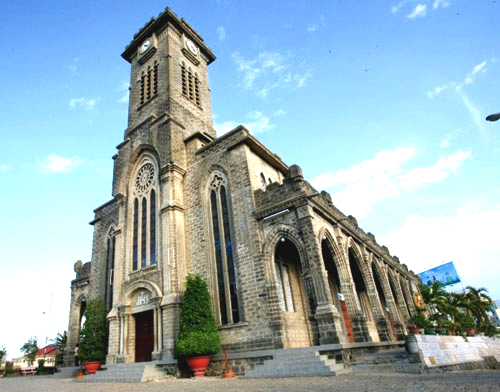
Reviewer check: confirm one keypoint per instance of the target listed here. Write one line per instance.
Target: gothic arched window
(145, 217)
(227, 290)
(190, 83)
(149, 83)
(110, 268)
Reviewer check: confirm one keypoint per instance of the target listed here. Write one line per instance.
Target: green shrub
(94, 334)
(464, 322)
(198, 334)
(419, 320)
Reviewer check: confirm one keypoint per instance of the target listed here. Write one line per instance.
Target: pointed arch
(282, 231)
(109, 276)
(143, 190)
(225, 283)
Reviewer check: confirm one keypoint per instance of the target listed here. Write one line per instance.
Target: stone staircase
(130, 372)
(296, 362)
(391, 361)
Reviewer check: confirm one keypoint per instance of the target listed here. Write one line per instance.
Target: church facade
(284, 266)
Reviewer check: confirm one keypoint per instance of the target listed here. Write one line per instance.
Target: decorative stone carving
(144, 178)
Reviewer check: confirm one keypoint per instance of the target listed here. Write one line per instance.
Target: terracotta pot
(471, 332)
(92, 366)
(228, 374)
(198, 365)
(415, 330)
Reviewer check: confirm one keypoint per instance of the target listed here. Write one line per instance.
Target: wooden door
(347, 321)
(144, 336)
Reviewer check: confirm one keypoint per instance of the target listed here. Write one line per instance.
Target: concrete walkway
(477, 381)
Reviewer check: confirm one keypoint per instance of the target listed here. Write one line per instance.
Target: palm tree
(60, 341)
(436, 296)
(478, 304)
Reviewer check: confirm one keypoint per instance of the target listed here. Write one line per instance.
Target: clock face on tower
(192, 47)
(145, 45)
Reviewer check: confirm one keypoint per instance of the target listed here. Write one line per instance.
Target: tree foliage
(198, 334)
(3, 353)
(30, 349)
(94, 334)
(60, 341)
(462, 311)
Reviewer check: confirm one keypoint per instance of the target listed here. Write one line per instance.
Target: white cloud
(440, 3)
(125, 88)
(397, 7)
(474, 112)
(221, 32)
(479, 67)
(280, 112)
(73, 67)
(423, 242)
(357, 188)
(85, 103)
(4, 167)
(445, 143)
(420, 10)
(468, 79)
(225, 127)
(270, 70)
(256, 122)
(56, 164)
(312, 28)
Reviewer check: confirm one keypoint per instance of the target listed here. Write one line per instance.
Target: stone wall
(445, 351)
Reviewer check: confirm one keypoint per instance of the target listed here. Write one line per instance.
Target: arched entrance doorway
(362, 294)
(335, 288)
(144, 336)
(140, 324)
(292, 295)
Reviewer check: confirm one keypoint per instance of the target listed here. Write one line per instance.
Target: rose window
(145, 177)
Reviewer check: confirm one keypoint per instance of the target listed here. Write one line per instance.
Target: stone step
(413, 368)
(67, 372)
(136, 372)
(304, 362)
(385, 361)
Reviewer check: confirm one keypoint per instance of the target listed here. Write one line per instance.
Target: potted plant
(198, 337)
(417, 321)
(94, 336)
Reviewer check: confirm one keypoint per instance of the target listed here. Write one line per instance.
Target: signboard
(444, 273)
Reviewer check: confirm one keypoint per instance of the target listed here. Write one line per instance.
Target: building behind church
(284, 266)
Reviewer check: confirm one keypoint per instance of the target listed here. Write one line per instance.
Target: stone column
(114, 336)
(407, 295)
(170, 312)
(327, 318)
(172, 223)
(381, 322)
(397, 321)
(356, 316)
(157, 355)
(401, 299)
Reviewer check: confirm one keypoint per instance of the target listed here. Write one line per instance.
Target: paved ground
(445, 382)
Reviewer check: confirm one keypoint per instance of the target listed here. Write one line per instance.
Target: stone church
(284, 266)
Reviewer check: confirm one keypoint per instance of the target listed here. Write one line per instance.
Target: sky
(381, 103)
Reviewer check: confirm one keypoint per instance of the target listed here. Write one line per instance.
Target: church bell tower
(169, 75)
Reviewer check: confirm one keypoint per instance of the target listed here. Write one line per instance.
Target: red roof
(48, 350)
